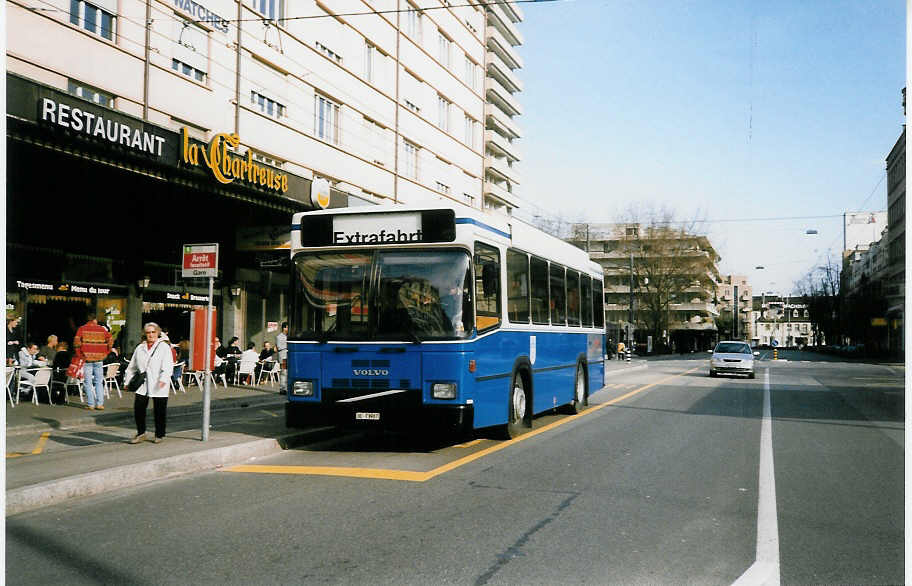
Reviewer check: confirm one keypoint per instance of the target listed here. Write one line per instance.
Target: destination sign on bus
(378, 228)
(394, 229)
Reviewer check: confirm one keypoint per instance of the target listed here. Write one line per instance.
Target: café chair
(42, 379)
(110, 379)
(245, 369)
(177, 379)
(270, 371)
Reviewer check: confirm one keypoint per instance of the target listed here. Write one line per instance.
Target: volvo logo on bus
(370, 372)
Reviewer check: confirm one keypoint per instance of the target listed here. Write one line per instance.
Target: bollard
(627, 356)
(775, 354)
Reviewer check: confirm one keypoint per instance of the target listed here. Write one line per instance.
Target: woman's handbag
(139, 378)
(74, 370)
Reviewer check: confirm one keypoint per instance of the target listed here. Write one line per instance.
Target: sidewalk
(60, 452)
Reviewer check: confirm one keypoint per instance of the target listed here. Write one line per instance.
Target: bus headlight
(304, 388)
(443, 390)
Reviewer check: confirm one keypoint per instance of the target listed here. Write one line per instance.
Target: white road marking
(765, 570)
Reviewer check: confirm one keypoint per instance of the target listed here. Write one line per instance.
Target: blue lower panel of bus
(392, 384)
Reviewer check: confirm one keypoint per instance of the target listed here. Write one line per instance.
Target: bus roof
(506, 230)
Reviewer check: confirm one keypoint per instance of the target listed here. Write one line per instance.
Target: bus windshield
(412, 295)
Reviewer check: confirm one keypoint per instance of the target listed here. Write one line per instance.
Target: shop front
(101, 201)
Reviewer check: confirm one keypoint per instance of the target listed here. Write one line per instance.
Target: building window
(369, 52)
(329, 52)
(93, 19)
(90, 93)
(412, 107)
(632, 232)
(326, 119)
(469, 199)
(413, 23)
(191, 50)
(187, 70)
(271, 9)
(443, 113)
(794, 313)
(469, 132)
(443, 188)
(469, 74)
(443, 49)
(267, 106)
(411, 160)
(806, 314)
(267, 160)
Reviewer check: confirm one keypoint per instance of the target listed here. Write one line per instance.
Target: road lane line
(765, 570)
(412, 476)
(468, 444)
(43, 440)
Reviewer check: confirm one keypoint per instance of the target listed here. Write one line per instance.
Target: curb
(127, 416)
(51, 492)
(625, 369)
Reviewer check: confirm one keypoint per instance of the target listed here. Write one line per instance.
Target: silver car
(732, 357)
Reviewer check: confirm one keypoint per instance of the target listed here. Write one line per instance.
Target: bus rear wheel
(519, 409)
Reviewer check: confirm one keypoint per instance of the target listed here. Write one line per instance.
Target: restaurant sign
(68, 288)
(226, 166)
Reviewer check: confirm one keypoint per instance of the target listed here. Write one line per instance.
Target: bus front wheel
(579, 391)
(520, 408)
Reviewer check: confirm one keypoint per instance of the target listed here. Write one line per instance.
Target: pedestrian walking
(92, 344)
(151, 359)
(282, 343)
(13, 339)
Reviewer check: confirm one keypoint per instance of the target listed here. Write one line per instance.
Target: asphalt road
(660, 482)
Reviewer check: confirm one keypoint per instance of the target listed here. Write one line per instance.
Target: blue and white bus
(444, 318)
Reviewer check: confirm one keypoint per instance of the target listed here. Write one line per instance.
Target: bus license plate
(360, 415)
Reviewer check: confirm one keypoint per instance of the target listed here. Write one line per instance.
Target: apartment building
(734, 303)
(895, 280)
(672, 277)
(502, 83)
(121, 111)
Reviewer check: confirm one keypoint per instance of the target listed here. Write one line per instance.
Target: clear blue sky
(725, 110)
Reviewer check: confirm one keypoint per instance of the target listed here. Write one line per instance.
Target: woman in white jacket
(153, 357)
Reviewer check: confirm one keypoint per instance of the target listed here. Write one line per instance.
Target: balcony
(501, 145)
(707, 308)
(498, 43)
(501, 170)
(503, 74)
(513, 11)
(498, 18)
(491, 189)
(498, 95)
(501, 122)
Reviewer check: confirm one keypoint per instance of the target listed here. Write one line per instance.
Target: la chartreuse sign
(227, 167)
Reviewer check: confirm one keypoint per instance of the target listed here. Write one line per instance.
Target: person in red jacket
(93, 343)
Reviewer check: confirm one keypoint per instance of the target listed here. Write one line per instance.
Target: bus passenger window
(487, 287)
(573, 298)
(558, 296)
(538, 275)
(598, 302)
(517, 287)
(587, 301)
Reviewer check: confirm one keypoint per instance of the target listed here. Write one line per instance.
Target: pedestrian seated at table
(49, 350)
(29, 361)
(249, 357)
(266, 358)
(62, 360)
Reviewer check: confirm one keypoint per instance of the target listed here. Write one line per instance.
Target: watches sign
(200, 260)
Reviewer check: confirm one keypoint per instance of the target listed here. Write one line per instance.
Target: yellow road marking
(43, 440)
(269, 413)
(468, 444)
(39, 447)
(413, 476)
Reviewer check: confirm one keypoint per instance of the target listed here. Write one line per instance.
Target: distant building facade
(734, 302)
(782, 322)
(691, 311)
(895, 279)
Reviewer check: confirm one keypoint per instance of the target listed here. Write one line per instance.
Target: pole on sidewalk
(207, 376)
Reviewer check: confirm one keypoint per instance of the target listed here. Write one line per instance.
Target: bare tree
(669, 258)
(820, 290)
